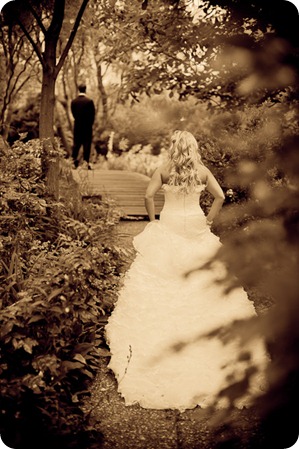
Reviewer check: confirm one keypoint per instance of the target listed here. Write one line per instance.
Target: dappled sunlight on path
(136, 428)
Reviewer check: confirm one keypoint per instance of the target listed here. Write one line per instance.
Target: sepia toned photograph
(149, 217)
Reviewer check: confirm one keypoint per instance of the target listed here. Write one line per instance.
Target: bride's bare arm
(154, 185)
(214, 188)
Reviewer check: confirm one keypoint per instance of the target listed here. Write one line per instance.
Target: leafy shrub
(25, 122)
(57, 277)
(153, 119)
(138, 159)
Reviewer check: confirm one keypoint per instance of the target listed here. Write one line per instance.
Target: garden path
(137, 428)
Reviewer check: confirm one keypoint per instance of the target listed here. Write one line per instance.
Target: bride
(160, 352)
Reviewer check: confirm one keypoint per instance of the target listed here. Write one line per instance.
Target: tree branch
(36, 16)
(34, 45)
(14, 87)
(71, 37)
(57, 20)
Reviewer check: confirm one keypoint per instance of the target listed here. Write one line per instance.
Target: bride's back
(202, 173)
(182, 213)
(181, 203)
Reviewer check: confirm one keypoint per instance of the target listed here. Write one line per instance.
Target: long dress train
(157, 355)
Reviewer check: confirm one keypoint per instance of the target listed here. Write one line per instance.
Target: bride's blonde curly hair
(184, 162)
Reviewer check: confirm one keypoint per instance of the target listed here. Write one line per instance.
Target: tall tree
(41, 23)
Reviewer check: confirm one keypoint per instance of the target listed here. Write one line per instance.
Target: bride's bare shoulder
(164, 170)
(204, 173)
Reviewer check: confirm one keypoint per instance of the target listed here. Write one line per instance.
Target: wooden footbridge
(126, 188)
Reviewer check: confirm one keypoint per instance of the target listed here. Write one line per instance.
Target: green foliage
(138, 159)
(18, 67)
(58, 276)
(261, 246)
(25, 121)
(263, 253)
(153, 119)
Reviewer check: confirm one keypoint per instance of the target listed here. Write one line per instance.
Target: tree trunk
(46, 118)
(50, 72)
(7, 121)
(60, 126)
(3, 146)
(103, 96)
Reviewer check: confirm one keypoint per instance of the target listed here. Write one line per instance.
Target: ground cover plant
(57, 279)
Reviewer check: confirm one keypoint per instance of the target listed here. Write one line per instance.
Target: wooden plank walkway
(126, 188)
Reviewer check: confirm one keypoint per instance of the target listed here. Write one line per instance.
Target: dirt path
(127, 230)
(137, 428)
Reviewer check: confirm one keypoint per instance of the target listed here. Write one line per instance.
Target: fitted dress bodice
(182, 213)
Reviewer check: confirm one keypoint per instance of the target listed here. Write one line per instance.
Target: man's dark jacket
(83, 111)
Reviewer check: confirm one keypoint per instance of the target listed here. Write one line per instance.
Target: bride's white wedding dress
(157, 355)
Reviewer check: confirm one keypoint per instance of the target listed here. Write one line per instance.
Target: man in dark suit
(83, 111)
